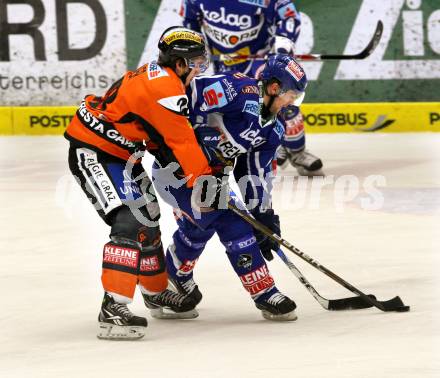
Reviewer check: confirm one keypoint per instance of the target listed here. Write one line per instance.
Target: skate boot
(188, 288)
(305, 163)
(282, 157)
(276, 306)
(116, 322)
(170, 305)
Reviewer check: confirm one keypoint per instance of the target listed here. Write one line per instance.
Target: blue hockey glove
(283, 45)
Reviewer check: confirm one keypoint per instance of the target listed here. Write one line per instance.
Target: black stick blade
(394, 304)
(352, 303)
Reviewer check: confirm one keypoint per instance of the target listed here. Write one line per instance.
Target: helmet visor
(293, 97)
(200, 62)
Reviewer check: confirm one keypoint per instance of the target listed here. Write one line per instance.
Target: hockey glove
(283, 45)
(211, 192)
(271, 221)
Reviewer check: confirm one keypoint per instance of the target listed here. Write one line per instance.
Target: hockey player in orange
(145, 109)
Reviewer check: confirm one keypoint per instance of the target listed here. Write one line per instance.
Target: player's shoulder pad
(248, 93)
(168, 89)
(177, 104)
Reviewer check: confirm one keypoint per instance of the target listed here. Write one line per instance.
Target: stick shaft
(265, 230)
(366, 52)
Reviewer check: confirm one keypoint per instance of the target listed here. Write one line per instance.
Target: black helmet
(179, 42)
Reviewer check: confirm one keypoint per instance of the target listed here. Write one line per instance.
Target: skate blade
(289, 317)
(108, 331)
(165, 313)
(305, 172)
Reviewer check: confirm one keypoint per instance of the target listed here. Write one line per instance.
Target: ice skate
(170, 305)
(306, 163)
(189, 288)
(282, 157)
(116, 322)
(276, 306)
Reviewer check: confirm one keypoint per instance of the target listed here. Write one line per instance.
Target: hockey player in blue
(238, 120)
(254, 27)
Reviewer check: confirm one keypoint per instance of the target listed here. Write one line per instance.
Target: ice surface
(51, 241)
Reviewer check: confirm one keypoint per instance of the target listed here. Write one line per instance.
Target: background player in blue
(242, 120)
(248, 27)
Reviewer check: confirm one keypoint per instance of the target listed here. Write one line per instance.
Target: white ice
(51, 243)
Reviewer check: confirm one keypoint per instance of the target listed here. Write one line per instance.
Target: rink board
(319, 118)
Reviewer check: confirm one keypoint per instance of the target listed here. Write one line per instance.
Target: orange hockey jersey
(146, 106)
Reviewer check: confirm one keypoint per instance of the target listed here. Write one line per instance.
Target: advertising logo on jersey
(243, 21)
(230, 90)
(187, 266)
(257, 3)
(250, 89)
(279, 128)
(239, 75)
(257, 281)
(149, 264)
(214, 96)
(121, 256)
(155, 71)
(287, 11)
(295, 70)
(252, 107)
(230, 38)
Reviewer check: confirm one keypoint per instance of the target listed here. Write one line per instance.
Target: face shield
(200, 62)
(292, 96)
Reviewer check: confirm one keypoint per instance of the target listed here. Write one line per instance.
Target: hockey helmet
(179, 42)
(290, 75)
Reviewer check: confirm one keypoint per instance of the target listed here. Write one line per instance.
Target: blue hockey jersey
(243, 27)
(225, 113)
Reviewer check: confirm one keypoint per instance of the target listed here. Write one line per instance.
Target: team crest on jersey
(245, 261)
(257, 3)
(155, 71)
(214, 96)
(287, 11)
(250, 89)
(295, 70)
(252, 107)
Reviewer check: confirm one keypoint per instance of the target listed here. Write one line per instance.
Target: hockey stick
(366, 52)
(351, 303)
(394, 304)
